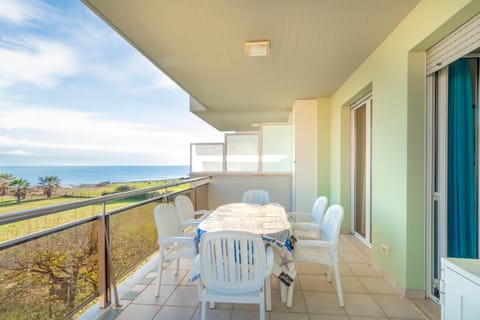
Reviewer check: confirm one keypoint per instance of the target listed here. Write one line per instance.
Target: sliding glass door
(453, 174)
(361, 168)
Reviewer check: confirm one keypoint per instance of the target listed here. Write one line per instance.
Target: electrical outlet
(385, 249)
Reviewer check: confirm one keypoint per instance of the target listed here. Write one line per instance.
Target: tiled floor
(367, 296)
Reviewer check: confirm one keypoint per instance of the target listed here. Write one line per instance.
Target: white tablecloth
(269, 221)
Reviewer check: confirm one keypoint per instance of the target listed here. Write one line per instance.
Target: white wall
(229, 188)
(304, 115)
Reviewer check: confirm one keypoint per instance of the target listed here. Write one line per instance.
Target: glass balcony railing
(53, 273)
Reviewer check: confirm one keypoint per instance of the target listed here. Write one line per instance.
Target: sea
(78, 175)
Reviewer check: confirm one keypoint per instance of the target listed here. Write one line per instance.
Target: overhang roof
(314, 46)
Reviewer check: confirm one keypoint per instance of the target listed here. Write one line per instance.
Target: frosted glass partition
(277, 154)
(206, 157)
(242, 152)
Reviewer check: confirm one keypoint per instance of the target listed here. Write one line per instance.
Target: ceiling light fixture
(257, 48)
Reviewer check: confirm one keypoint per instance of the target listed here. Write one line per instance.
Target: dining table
(270, 221)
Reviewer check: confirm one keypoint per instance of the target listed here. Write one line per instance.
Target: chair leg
(203, 310)
(178, 265)
(262, 310)
(283, 292)
(290, 295)
(339, 285)
(268, 294)
(159, 273)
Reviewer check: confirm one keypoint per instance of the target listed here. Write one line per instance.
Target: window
(277, 148)
(242, 152)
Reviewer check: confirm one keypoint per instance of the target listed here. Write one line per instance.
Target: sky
(73, 92)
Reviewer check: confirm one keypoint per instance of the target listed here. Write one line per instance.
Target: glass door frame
(436, 186)
(367, 102)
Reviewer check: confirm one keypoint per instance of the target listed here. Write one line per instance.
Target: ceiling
(314, 46)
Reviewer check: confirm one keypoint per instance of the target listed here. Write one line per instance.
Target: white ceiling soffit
(314, 46)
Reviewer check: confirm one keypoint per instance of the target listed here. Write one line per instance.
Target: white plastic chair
(171, 240)
(187, 213)
(256, 196)
(308, 225)
(323, 251)
(233, 268)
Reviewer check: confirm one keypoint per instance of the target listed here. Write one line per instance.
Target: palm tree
(5, 179)
(20, 187)
(49, 184)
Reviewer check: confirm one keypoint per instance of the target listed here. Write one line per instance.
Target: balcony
(367, 295)
(59, 272)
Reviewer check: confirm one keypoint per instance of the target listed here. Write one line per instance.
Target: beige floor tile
(327, 317)
(148, 295)
(367, 318)
(213, 314)
(314, 283)
(352, 257)
(309, 268)
(323, 303)
(377, 285)
(177, 313)
(363, 270)
(346, 248)
(345, 270)
(288, 316)
(357, 304)
(169, 277)
(246, 306)
(298, 302)
(396, 306)
(139, 287)
(246, 315)
(138, 311)
(183, 297)
(349, 284)
(428, 307)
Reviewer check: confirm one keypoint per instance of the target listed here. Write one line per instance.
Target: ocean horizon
(78, 175)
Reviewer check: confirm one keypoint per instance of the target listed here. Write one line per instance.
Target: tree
(49, 184)
(20, 187)
(5, 179)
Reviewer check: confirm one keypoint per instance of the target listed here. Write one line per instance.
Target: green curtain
(461, 217)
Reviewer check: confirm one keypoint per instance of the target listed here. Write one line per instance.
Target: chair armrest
(315, 243)
(190, 223)
(306, 226)
(300, 216)
(202, 214)
(172, 240)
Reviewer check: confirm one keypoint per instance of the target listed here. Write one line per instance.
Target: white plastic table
(269, 221)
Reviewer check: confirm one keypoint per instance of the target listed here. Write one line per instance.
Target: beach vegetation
(49, 184)
(5, 179)
(19, 187)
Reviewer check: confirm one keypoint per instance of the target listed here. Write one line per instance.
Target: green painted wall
(395, 74)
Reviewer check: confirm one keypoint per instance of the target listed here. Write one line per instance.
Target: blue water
(77, 175)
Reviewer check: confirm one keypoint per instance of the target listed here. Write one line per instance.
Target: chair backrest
(184, 207)
(332, 222)
(319, 208)
(256, 196)
(167, 221)
(232, 261)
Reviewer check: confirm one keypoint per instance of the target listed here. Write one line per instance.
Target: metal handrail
(39, 212)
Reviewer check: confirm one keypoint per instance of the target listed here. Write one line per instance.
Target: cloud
(15, 152)
(19, 12)
(34, 61)
(62, 132)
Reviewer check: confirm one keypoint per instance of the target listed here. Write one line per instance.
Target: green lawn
(17, 229)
